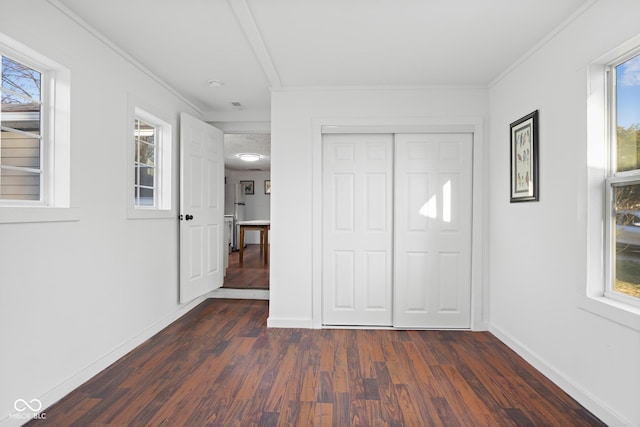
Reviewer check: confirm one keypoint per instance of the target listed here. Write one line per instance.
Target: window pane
(23, 117)
(19, 185)
(145, 163)
(20, 81)
(20, 160)
(627, 239)
(19, 151)
(145, 132)
(147, 154)
(145, 197)
(628, 114)
(146, 176)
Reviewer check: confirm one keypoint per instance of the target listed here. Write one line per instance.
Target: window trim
(164, 206)
(55, 203)
(595, 296)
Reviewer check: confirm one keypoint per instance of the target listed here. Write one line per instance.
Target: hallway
(253, 274)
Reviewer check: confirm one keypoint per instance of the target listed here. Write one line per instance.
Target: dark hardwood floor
(219, 365)
(252, 274)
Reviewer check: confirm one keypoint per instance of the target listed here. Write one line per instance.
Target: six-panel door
(397, 230)
(357, 227)
(432, 230)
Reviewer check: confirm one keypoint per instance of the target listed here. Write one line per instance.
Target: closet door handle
(189, 217)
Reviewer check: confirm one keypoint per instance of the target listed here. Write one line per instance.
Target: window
(613, 188)
(623, 181)
(146, 153)
(150, 183)
(20, 137)
(34, 136)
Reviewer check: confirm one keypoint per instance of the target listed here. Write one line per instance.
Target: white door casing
(357, 227)
(201, 208)
(433, 212)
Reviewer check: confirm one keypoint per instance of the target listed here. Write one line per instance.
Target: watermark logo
(28, 410)
(22, 405)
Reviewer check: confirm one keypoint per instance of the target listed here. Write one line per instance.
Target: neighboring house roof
(25, 117)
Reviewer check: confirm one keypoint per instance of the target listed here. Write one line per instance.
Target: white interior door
(433, 202)
(201, 208)
(357, 227)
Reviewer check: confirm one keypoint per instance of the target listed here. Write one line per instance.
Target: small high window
(150, 183)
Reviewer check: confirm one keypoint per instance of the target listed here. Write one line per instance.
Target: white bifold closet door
(397, 230)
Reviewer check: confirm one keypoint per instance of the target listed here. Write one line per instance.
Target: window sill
(616, 311)
(16, 215)
(151, 214)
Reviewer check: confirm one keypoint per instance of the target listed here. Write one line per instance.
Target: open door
(201, 208)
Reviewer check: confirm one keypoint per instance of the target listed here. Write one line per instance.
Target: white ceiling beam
(250, 29)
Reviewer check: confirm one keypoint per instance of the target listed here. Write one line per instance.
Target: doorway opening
(247, 158)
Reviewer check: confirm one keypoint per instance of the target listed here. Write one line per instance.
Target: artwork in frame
(247, 187)
(267, 186)
(524, 159)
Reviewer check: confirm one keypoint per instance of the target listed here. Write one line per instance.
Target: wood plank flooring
(220, 366)
(252, 274)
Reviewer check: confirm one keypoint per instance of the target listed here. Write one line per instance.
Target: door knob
(189, 217)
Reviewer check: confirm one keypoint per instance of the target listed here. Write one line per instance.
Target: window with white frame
(613, 179)
(150, 183)
(34, 136)
(623, 179)
(21, 145)
(146, 153)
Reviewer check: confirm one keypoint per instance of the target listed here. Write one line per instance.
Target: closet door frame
(479, 296)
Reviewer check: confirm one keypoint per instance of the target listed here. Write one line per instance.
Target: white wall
(294, 145)
(104, 283)
(74, 296)
(538, 257)
(257, 205)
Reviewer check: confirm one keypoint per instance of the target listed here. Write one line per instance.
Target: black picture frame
(247, 187)
(267, 186)
(524, 154)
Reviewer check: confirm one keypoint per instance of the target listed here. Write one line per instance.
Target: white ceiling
(251, 143)
(255, 45)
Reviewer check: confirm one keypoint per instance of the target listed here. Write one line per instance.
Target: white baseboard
(61, 390)
(289, 323)
(591, 403)
(239, 293)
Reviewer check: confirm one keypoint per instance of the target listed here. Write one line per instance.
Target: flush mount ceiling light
(249, 157)
(215, 83)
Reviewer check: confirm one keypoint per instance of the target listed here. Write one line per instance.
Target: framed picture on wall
(267, 186)
(524, 159)
(247, 187)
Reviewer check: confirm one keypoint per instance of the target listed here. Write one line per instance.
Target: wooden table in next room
(263, 227)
